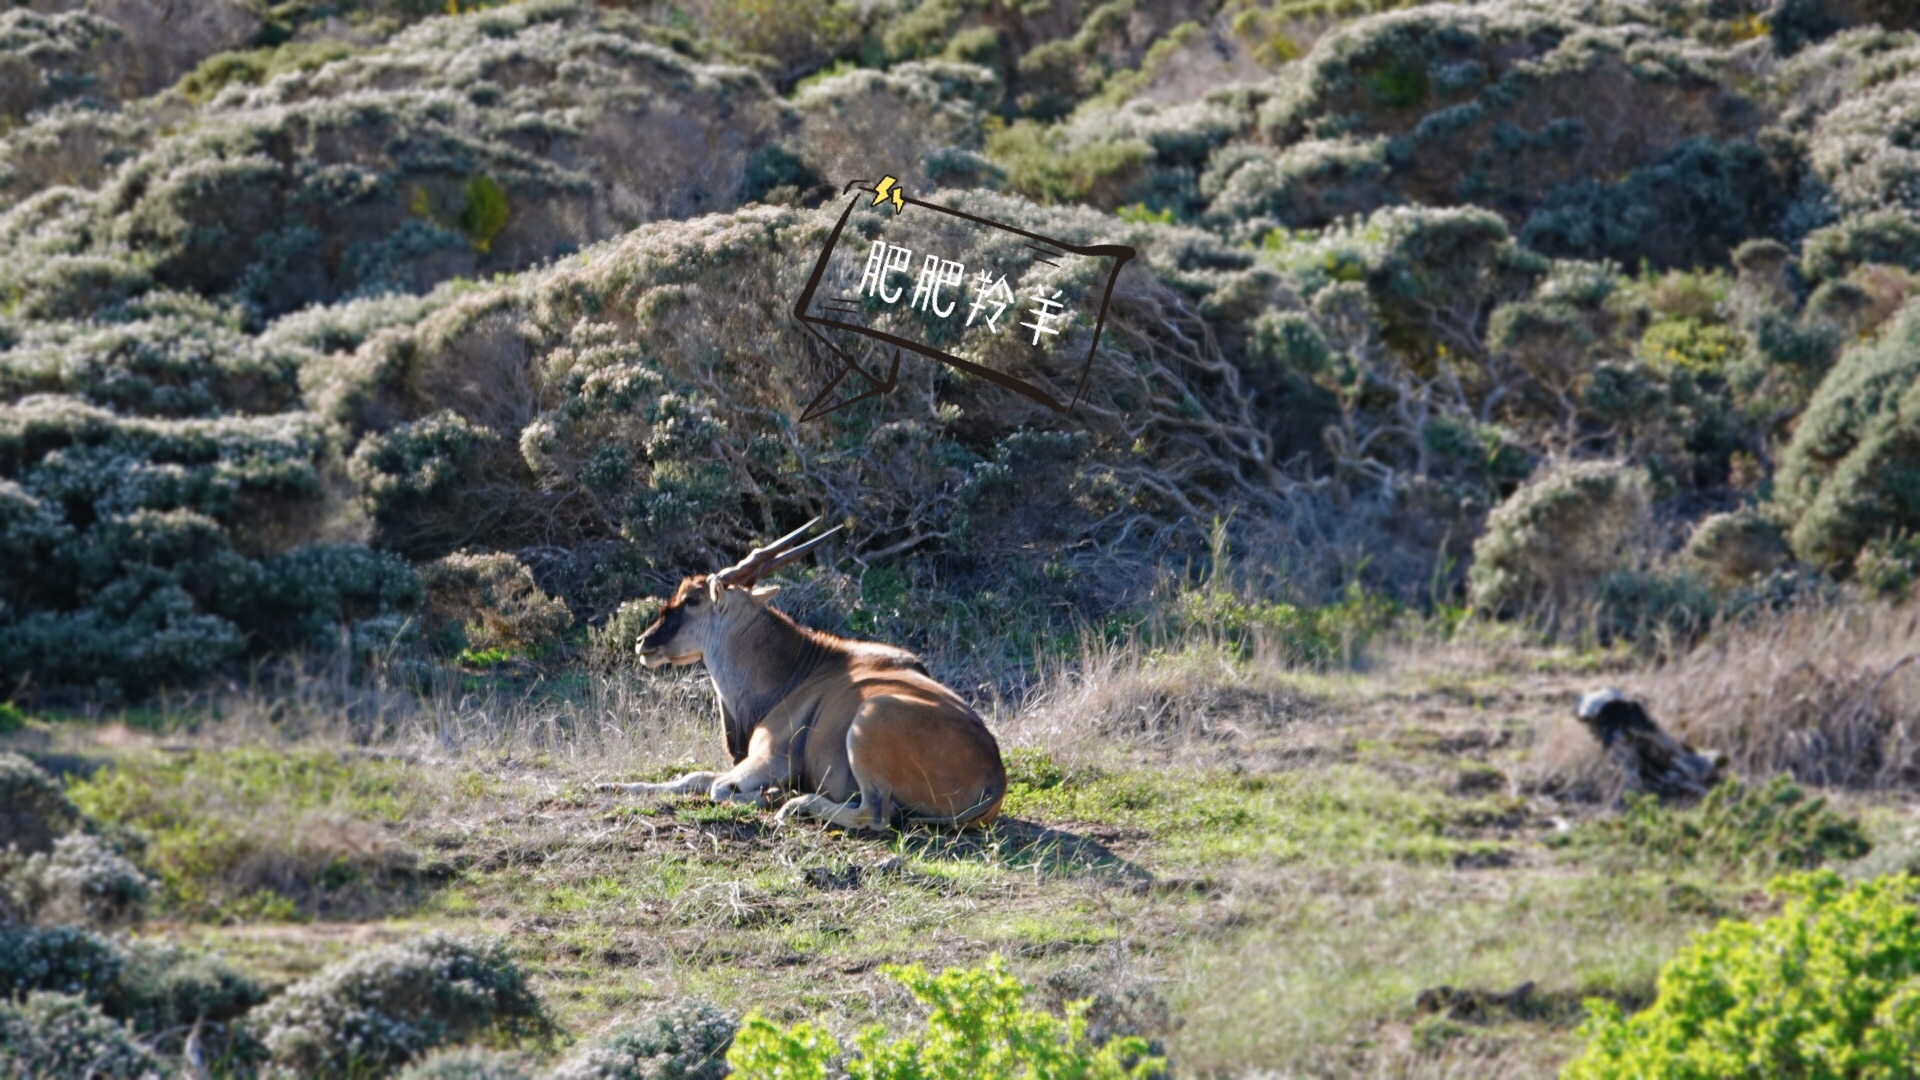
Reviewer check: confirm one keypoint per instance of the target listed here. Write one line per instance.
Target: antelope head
(705, 607)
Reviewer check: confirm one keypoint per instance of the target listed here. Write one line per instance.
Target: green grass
(1736, 829)
(231, 833)
(1336, 817)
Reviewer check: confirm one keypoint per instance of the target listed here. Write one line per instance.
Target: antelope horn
(762, 561)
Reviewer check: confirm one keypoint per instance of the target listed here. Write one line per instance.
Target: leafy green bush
(1768, 828)
(52, 1034)
(615, 640)
(1691, 207)
(976, 1026)
(135, 547)
(1876, 236)
(677, 1041)
(45, 58)
(1315, 635)
(416, 460)
(257, 66)
(381, 1008)
(1635, 604)
(1039, 167)
(453, 107)
(1886, 565)
(1827, 988)
(484, 213)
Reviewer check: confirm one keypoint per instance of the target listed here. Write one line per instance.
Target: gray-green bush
(676, 1041)
(52, 1034)
(1548, 546)
(380, 1009)
(1852, 470)
(82, 881)
(34, 808)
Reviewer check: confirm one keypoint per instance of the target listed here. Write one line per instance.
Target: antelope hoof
(728, 791)
(795, 807)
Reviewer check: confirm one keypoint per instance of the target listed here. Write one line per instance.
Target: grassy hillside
(368, 367)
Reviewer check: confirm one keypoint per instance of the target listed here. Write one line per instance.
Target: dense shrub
(381, 1008)
(1852, 470)
(52, 1034)
(1738, 545)
(163, 991)
(155, 989)
(412, 462)
(914, 110)
(1877, 236)
(185, 362)
(418, 159)
(256, 66)
(60, 959)
(82, 881)
(1887, 564)
(34, 808)
(1510, 106)
(976, 1026)
(677, 1041)
(490, 602)
(1548, 545)
(615, 640)
(1693, 206)
(45, 58)
(142, 550)
(1825, 989)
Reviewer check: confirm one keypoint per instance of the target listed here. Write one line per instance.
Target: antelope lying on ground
(859, 726)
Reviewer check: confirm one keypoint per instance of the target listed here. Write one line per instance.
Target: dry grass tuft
(1115, 694)
(1827, 694)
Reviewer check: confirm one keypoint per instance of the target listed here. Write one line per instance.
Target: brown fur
(835, 719)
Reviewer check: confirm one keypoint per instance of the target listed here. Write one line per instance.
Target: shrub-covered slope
(377, 286)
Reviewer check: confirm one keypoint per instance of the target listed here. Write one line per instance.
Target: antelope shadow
(1019, 844)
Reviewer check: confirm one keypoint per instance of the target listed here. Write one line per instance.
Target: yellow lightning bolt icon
(888, 188)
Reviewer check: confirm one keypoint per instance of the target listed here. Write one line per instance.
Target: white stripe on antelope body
(860, 727)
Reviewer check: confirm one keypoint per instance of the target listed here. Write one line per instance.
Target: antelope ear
(761, 592)
(713, 589)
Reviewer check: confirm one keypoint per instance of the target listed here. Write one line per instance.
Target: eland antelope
(859, 730)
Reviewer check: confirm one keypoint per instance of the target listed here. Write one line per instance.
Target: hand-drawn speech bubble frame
(1047, 246)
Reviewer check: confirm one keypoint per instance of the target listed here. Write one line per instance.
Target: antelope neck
(758, 663)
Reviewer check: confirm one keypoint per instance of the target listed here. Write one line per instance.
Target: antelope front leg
(746, 781)
(686, 785)
(762, 768)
